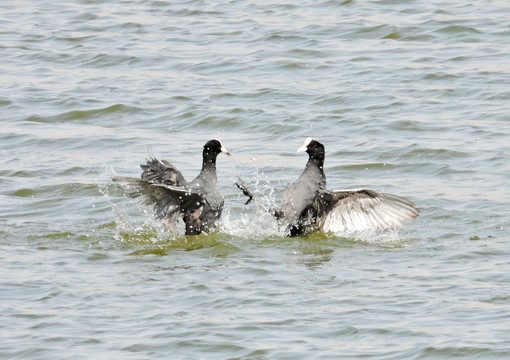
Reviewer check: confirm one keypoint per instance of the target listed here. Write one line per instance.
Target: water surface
(408, 97)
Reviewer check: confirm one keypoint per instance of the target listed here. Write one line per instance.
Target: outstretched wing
(162, 172)
(168, 201)
(359, 210)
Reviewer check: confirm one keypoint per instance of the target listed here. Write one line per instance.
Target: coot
(308, 206)
(199, 202)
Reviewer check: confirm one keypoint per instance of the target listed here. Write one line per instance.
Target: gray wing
(359, 210)
(169, 202)
(162, 172)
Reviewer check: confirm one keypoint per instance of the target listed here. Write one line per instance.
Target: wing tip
(370, 211)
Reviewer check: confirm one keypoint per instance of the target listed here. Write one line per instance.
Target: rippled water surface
(409, 97)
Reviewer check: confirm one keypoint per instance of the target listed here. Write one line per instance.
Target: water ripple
(408, 97)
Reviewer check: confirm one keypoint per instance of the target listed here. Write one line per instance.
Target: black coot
(307, 205)
(199, 202)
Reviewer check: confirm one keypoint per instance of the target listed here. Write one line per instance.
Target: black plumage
(198, 202)
(307, 205)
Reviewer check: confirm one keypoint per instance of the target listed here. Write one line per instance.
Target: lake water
(409, 97)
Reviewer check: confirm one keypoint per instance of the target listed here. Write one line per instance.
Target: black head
(212, 148)
(314, 149)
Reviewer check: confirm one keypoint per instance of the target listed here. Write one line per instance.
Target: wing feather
(359, 210)
(168, 201)
(162, 172)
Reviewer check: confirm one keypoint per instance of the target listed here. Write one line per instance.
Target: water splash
(137, 224)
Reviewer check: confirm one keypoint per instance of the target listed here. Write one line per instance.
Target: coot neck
(209, 163)
(315, 166)
(314, 162)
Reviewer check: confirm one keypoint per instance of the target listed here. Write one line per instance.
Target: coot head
(314, 149)
(212, 148)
